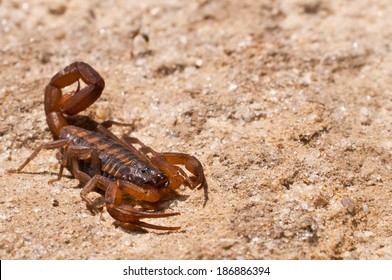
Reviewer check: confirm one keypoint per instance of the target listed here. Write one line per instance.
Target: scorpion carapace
(99, 159)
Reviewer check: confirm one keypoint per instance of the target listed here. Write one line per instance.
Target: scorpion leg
(63, 160)
(109, 123)
(96, 181)
(71, 158)
(103, 129)
(126, 213)
(74, 153)
(63, 143)
(86, 153)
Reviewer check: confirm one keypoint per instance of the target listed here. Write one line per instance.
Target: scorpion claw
(128, 214)
(147, 225)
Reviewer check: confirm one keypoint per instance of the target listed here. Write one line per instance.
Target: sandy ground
(287, 104)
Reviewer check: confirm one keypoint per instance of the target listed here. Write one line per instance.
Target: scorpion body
(116, 162)
(99, 159)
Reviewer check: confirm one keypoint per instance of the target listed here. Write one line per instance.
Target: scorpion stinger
(57, 103)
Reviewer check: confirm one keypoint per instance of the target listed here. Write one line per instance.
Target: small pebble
(227, 243)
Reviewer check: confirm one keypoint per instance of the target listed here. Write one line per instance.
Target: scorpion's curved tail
(57, 104)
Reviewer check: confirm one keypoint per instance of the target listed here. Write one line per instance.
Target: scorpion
(100, 160)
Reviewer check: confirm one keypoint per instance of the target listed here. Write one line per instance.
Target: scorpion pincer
(99, 159)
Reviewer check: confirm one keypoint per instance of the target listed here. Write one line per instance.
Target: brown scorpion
(99, 159)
